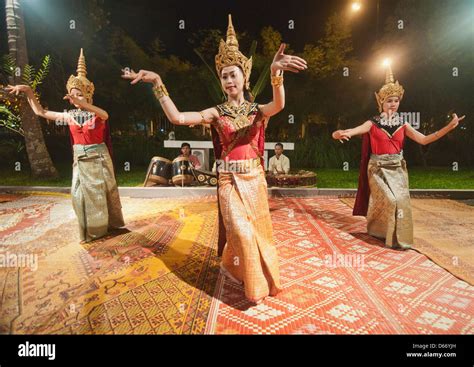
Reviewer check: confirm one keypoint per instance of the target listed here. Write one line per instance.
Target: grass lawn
(134, 177)
(420, 178)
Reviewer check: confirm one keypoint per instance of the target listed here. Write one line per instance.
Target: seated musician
(186, 152)
(279, 163)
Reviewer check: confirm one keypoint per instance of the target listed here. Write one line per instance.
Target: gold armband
(277, 80)
(203, 120)
(160, 91)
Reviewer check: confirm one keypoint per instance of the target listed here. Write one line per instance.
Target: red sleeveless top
(382, 142)
(91, 132)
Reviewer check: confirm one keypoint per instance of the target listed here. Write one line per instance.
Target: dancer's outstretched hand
(17, 89)
(340, 135)
(287, 62)
(142, 76)
(74, 100)
(455, 121)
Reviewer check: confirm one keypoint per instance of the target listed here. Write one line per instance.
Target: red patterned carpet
(160, 276)
(338, 280)
(157, 276)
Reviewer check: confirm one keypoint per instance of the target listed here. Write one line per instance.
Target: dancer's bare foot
(257, 301)
(274, 292)
(401, 246)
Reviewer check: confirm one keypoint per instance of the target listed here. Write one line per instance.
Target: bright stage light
(356, 6)
(387, 62)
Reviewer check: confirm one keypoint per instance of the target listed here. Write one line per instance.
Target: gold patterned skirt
(95, 196)
(250, 255)
(389, 214)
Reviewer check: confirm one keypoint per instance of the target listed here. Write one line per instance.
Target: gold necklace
(239, 114)
(237, 109)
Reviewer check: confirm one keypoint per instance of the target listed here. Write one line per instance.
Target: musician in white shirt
(279, 163)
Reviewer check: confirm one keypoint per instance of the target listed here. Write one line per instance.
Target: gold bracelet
(277, 80)
(436, 134)
(160, 91)
(203, 120)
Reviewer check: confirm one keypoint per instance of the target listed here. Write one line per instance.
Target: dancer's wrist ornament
(277, 80)
(160, 91)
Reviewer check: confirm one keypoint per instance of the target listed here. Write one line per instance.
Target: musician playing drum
(186, 152)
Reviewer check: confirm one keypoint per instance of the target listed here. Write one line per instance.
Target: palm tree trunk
(40, 162)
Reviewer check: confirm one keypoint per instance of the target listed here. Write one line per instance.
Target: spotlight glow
(356, 6)
(387, 62)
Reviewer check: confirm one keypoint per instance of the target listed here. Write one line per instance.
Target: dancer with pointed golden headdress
(95, 196)
(250, 255)
(383, 194)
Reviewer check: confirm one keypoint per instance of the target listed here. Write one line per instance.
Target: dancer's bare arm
(175, 116)
(84, 105)
(281, 62)
(427, 139)
(34, 103)
(342, 135)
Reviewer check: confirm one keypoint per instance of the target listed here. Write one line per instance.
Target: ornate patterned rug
(160, 275)
(443, 231)
(339, 280)
(156, 277)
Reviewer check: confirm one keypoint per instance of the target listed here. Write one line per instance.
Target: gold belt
(387, 160)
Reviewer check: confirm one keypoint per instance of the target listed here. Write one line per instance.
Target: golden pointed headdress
(80, 81)
(389, 89)
(229, 54)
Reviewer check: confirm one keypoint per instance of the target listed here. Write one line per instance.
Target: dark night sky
(146, 19)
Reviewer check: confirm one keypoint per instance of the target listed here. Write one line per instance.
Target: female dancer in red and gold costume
(383, 195)
(250, 255)
(95, 196)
